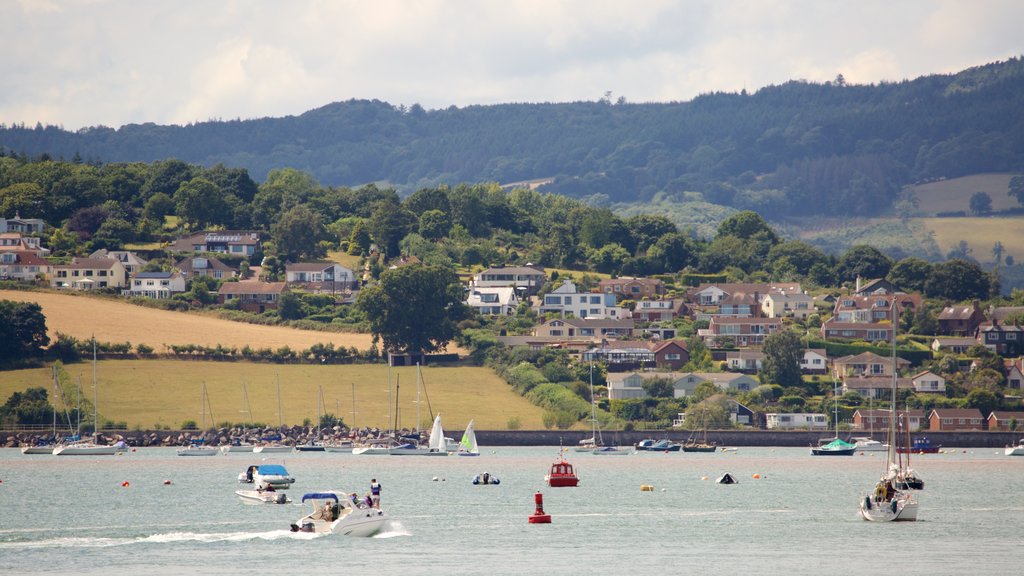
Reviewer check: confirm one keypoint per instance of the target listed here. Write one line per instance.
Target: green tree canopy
(297, 234)
(22, 329)
(782, 353)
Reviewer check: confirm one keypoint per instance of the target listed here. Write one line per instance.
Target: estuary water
(75, 515)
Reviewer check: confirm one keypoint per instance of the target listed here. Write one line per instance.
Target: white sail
(468, 443)
(436, 442)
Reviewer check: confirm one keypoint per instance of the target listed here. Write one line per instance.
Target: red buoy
(538, 516)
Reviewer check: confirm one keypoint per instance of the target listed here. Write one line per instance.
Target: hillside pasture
(954, 195)
(110, 320)
(151, 394)
(980, 233)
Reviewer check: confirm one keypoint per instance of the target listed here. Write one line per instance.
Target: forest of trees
(848, 147)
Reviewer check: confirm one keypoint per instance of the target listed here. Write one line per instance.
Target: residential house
(320, 276)
(586, 327)
(21, 225)
(712, 294)
(795, 421)
(1001, 313)
(1005, 421)
(866, 364)
(89, 274)
(866, 317)
(528, 279)
(157, 285)
(658, 310)
(928, 382)
(18, 242)
(1014, 373)
(875, 287)
(566, 300)
(621, 355)
(500, 301)
(738, 414)
(670, 354)
(961, 320)
(878, 420)
(782, 304)
(1003, 339)
(630, 385)
(687, 384)
(23, 265)
(575, 345)
(192, 266)
(743, 331)
(234, 242)
(946, 419)
(253, 296)
(814, 361)
(628, 288)
(878, 388)
(748, 361)
(131, 261)
(953, 345)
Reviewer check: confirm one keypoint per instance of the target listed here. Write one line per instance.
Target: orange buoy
(125, 484)
(757, 476)
(538, 516)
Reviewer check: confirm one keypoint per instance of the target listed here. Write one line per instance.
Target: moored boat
(197, 447)
(868, 444)
(561, 474)
(468, 445)
(920, 445)
(264, 475)
(260, 496)
(1017, 450)
(651, 445)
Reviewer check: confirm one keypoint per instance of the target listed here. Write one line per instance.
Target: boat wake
(392, 529)
(167, 538)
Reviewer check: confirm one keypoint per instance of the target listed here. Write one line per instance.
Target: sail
(468, 442)
(436, 442)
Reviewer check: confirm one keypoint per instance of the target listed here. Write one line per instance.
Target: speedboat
(486, 479)
(868, 444)
(264, 475)
(334, 512)
(1017, 450)
(561, 474)
(260, 496)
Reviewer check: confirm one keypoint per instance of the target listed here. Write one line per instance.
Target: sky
(80, 63)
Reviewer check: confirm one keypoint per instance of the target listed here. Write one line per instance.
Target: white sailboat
(46, 447)
(274, 446)
(198, 447)
(891, 500)
(597, 440)
(468, 445)
(236, 444)
(436, 445)
(90, 448)
(314, 444)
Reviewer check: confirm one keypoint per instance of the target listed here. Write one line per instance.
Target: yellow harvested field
(151, 394)
(980, 233)
(83, 316)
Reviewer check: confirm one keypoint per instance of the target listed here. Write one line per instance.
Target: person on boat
(486, 478)
(368, 501)
(328, 513)
(375, 492)
(355, 500)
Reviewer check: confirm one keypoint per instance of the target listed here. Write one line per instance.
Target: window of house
(672, 356)
(1011, 335)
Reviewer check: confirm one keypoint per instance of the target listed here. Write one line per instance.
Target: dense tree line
(796, 148)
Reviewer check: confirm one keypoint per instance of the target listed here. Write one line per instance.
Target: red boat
(561, 474)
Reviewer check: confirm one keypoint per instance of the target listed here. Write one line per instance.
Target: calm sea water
(73, 516)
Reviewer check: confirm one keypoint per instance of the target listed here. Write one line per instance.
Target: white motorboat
(338, 446)
(1017, 450)
(264, 475)
(86, 449)
(263, 496)
(271, 449)
(868, 444)
(335, 513)
(373, 449)
(237, 446)
(38, 449)
(198, 449)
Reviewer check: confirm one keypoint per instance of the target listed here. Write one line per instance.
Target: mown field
(980, 233)
(83, 316)
(157, 393)
(955, 194)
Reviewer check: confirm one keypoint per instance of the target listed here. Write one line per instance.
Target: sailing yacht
(890, 500)
(314, 444)
(468, 446)
(47, 446)
(692, 445)
(198, 447)
(273, 444)
(90, 448)
(595, 445)
(834, 446)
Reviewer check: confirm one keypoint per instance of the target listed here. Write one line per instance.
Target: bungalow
(1005, 421)
(526, 279)
(658, 310)
(252, 296)
(687, 384)
(630, 385)
(320, 276)
(796, 421)
(89, 274)
(878, 420)
(952, 345)
(712, 294)
(814, 361)
(585, 327)
(944, 419)
(157, 285)
(192, 266)
(928, 382)
(670, 354)
(961, 320)
(632, 288)
(566, 300)
(573, 345)
(1003, 339)
(876, 388)
(23, 265)
(748, 361)
(866, 364)
(622, 386)
(131, 261)
(743, 331)
(500, 301)
(234, 242)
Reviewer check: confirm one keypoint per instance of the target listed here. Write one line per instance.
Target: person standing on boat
(375, 492)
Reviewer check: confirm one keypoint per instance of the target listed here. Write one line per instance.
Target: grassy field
(955, 194)
(83, 316)
(980, 234)
(156, 393)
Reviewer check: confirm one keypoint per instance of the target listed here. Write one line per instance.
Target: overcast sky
(89, 62)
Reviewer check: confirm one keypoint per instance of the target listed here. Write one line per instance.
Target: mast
(593, 411)
(418, 387)
(280, 414)
(95, 395)
(891, 452)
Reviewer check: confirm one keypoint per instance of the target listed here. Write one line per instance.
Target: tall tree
(297, 234)
(782, 353)
(414, 308)
(199, 202)
(981, 203)
(1016, 189)
(22, 329)
(388, 224)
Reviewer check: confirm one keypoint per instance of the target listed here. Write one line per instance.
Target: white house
(157, 285)
(527, 279)
(776, 421)
(787, 303)
(23, 265)
(623, 386)
(320, 275)
(929, 382)
(814, 361)
(89, 274)
(567, 300)
(498, 301)
(131, 261)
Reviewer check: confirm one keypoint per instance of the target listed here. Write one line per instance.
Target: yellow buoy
(646, 488)
(703, 477)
